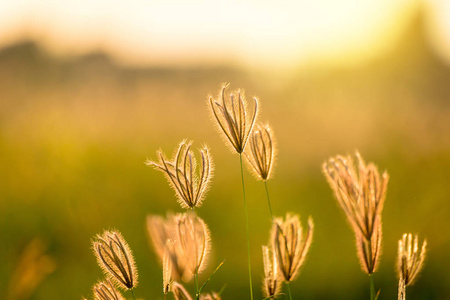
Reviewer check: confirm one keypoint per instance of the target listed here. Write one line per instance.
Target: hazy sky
(254, 32)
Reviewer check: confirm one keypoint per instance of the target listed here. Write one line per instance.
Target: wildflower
(190, 184)
(116, 259)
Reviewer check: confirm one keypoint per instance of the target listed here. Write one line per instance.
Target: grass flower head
(261, 152)
(190, 184)
(116, 259)
(290, 244)
(233, 118)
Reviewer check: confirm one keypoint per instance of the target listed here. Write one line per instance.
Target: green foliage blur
(74, 135)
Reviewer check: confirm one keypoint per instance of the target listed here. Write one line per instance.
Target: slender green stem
(248, 234)
(268, 200)
(132, 293)
(372, 287)
(288, 286)
(197, 294)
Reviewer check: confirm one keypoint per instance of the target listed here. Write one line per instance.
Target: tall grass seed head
(410, 260)
(232, 117)
(290, 244)
(261, 151)
(272, 281)
(185, 239)
(115, 258)
(189, 182)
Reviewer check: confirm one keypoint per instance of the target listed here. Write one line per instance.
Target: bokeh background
(90, 89)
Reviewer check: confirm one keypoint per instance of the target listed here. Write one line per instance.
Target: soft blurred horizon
(282, 35)
(87, 95)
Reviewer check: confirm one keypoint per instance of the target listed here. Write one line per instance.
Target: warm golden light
(252, 33)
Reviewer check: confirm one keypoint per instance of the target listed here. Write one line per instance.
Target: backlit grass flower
(184, 239)
(271, 281)
(115, 258)
(190, 184)
(260, 152)
(409, 261)
(361, 192)
(290, 245)
(105, 290)
(232, 117)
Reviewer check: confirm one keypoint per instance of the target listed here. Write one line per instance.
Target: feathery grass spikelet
(409, 260)
(232, 118)
(361, 193)
(261, 151)
(271, 282)
(185, 239)
(289, 244)
(369, 252)
(105, 290)
(190, 184)
(180, 292)
(115, 258)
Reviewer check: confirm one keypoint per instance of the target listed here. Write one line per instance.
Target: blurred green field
(74, 135)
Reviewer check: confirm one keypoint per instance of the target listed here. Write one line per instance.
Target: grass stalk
(372, 287)
(132, 293)
(247, 227)
(268, 200)
(288, 287)
(197, 294)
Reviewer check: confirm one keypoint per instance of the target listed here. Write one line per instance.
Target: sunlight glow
(176, 32)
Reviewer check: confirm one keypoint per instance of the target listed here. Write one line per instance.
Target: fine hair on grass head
(360, 192)
(105, 290)
(272, 281)
(115, 258)
(190, 184)
(409, 261)
(232, 117)
(183, 241)
(290, 244)
(260, 152)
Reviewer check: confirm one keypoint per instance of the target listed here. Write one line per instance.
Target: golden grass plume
(232, 117)
(185, 239)
(290, 244)
(190, 184)
(115, 258)
(361, 192)
(272, 281)
(410, 259)
(261, 151)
